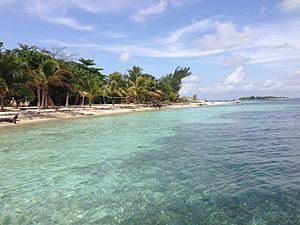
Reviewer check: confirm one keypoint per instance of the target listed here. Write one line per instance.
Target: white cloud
(143, 14)
(236, 60)
(70, 22)
(226, 36)
(55, 11)
(278, 86)
(99, 6)
(125, 56)
(190, 85)
(236, 77)
(289, 83)
(276, 41)
(290, 5)
(191, 79)
(201, 25)
(272, 84)
(266, 43)
(235, 82)
(50, 11)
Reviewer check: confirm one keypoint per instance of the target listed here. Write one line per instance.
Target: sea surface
(235, 165)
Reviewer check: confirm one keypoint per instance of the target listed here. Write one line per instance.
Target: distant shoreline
(262, 98)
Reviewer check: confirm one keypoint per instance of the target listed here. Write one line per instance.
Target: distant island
(262, 97)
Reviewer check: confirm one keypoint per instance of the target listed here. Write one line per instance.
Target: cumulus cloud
(226, 36)
(190, 85)
(236, 77)
(280, 85)
(290, 5)
(288, 82)
(125, 56)
(143, 14)
(233, 82)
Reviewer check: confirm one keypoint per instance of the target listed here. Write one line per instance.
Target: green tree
(12, 79)
(82, 70)
(31, 55)
(173, 97)
(36, 82)
(134, 73)
(113, 88)
(137, 89)
(90, 88)
(52, 75)
(185, 99)
(172, 83)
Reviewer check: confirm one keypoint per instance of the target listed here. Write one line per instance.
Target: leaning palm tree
(12, 79)
(52, 75)
(156, 96)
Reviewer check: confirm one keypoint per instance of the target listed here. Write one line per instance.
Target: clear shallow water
(219, 165)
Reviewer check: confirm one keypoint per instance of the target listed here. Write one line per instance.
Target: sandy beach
(33, 115)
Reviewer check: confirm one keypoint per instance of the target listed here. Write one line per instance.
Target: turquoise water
(218, 165)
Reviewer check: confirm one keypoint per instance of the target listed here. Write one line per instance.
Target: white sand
(33, 115)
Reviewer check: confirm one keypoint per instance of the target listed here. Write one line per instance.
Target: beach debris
(10, 120)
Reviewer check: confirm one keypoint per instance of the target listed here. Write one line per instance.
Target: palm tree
(137, 88)
(114, 89)
(156, 96)
(104, 93)
(173, 97)
(11, 77)
(51, 74)
(90, 88)
(144, 88)
(152, 92)
(36, 81)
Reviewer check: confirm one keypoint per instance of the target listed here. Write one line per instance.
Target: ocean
(234, 164)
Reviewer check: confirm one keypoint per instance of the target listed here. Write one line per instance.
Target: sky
(234, 48)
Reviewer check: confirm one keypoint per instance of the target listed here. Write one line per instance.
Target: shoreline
(34, 116)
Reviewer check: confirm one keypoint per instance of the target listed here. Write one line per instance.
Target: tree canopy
(50, 77)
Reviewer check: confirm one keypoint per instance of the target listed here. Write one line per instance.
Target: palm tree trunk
(2, 102)
(43, 98)
(90, 103)
(104, 102)
(82, 102)
(46, 98)
(67, 100)
(76, 100)
(39, 97)
(113, 101)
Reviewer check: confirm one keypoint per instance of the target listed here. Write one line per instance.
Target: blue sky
(234, 48)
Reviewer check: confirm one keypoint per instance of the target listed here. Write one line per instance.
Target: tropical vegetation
(53, 78)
